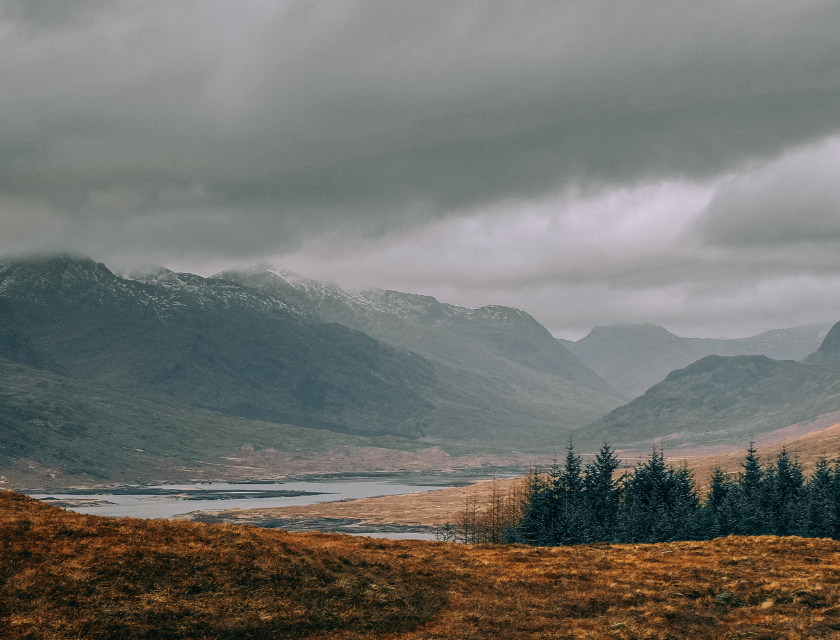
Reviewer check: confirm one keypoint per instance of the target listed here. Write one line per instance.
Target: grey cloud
(371, 116)
(793, 200)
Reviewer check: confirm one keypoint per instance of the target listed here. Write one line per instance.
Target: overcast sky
(588, 162)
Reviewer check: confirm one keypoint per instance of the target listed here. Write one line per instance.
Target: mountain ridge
(216, 344)
(724, 399)
(632, 358)
(406, 320)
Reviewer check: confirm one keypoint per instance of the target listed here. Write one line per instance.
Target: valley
(437, 507)
(261, 374)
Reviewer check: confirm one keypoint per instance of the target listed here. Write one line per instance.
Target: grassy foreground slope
(66, 575)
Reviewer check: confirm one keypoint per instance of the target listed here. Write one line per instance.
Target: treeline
(655, 502)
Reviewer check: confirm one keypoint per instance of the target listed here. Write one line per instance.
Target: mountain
(215, 344)
(721, 399)
(634, 357)
(499, 347)
(489, 339)
(829, 352)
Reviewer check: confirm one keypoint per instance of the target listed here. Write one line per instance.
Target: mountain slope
(632, 358)
(720, 399)
(216, 345)
(220, 345)
(529, 367)
(79, 427)
(829, 352)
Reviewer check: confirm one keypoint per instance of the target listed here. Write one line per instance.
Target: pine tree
(570, 523)
(750, 502)
(540, 521)
(720, 510)
(784, 485)
(821, 506)
(602, 495)
(683, 505)
(644, 516)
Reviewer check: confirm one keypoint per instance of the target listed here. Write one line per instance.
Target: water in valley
(168, 500)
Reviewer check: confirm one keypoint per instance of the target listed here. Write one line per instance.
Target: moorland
(66, 575)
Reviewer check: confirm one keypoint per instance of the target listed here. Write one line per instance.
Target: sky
(588, 162)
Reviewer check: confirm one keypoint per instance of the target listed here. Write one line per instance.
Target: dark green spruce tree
(602, 496)
(644, 513)
(571, 525)
(720, 511)
(540, 521)
(783, 489)
(751, 498)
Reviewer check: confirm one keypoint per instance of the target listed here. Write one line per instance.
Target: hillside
(493, 348)
(219, 345)
(65, 575)
(632, 358)
(57, 429)
(719, 400)
(828, 353)
(492, 338)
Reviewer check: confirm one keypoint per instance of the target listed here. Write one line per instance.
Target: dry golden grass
(806, 449)
(65, 575)
(428, 508)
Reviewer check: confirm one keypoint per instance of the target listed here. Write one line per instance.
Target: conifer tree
(646, 497)
(570, 525)
(683, 505)
(751, 499)
(720, 510)
(656, 502)
(602, 496)
(783, 483)
(821, 516)
(540, 522)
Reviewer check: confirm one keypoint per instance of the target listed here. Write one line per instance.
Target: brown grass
(806, 449)
(427, 508)
(65, 575)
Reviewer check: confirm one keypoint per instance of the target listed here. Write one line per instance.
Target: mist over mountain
(726, 399)
(634, 357)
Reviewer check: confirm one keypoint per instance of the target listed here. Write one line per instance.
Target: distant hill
(634, 357)
(479, 340)
(722, 399)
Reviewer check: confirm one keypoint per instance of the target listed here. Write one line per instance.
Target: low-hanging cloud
(375, 115)
(792, 200)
